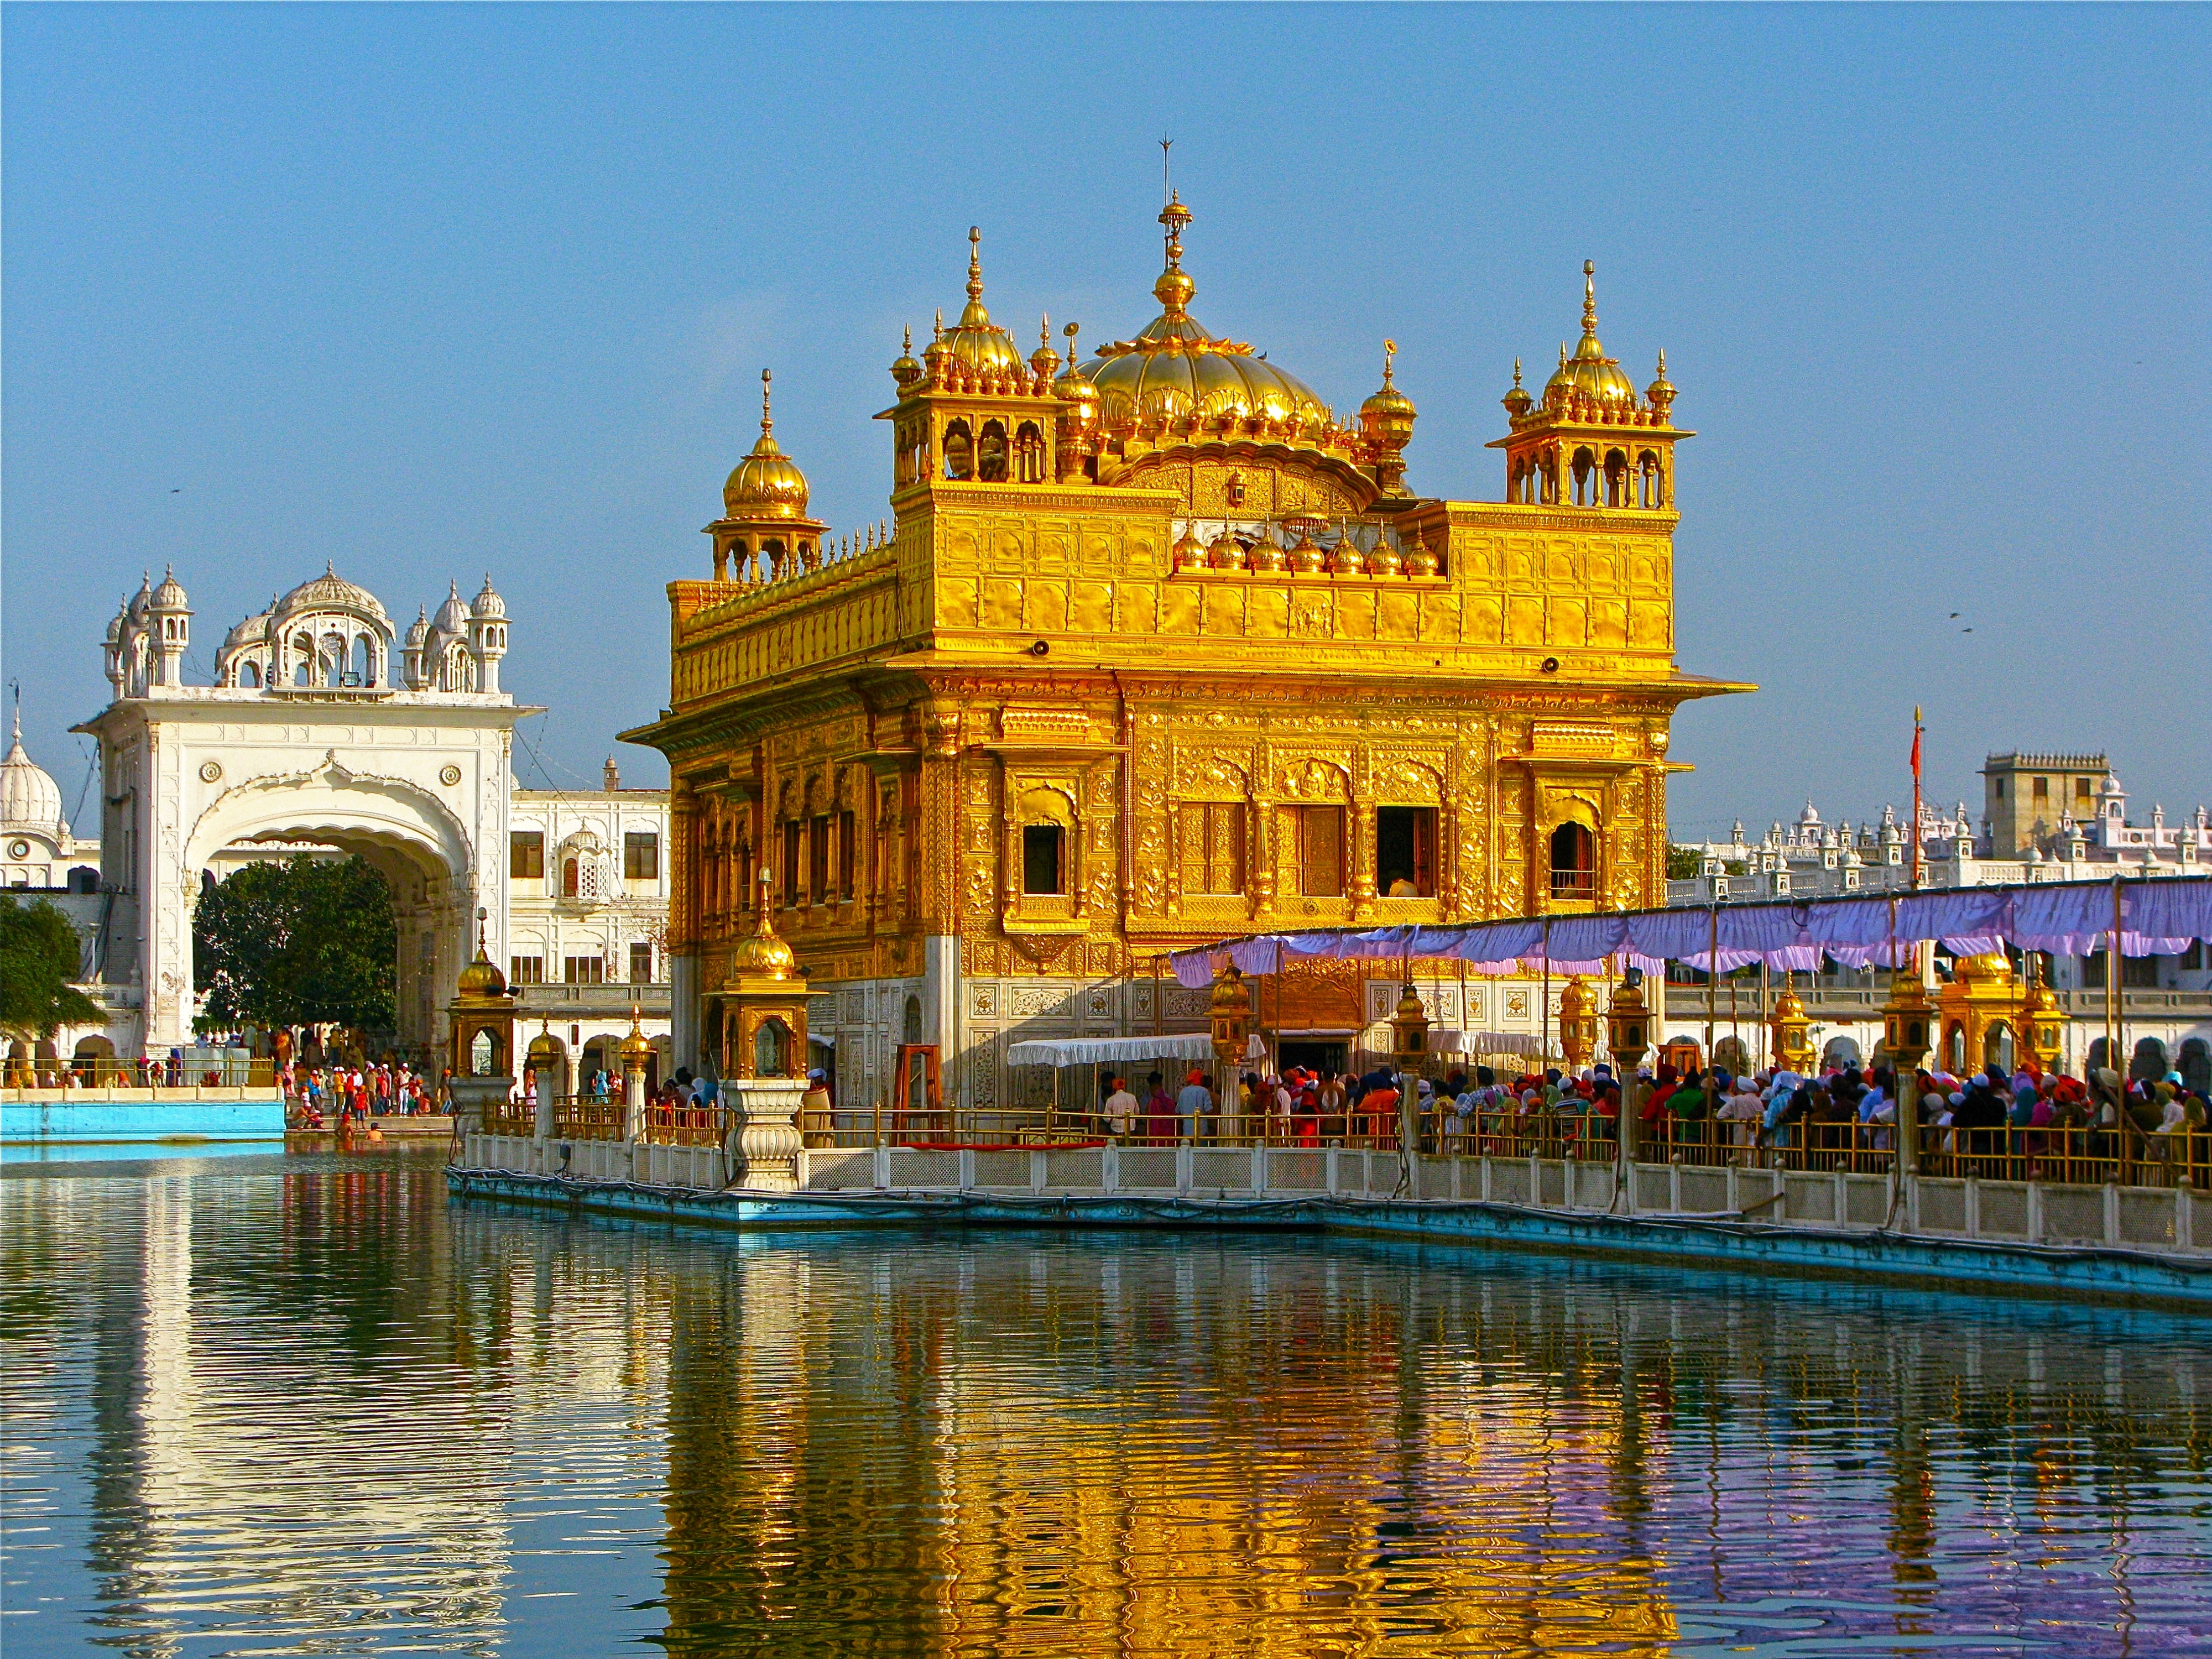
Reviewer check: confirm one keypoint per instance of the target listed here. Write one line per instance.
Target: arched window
(2197, 1064)
(483, 1054)
(1574, 862)
(910, 1026)
(571, 878)
(1648, 467)
(1585, 471)
(1616, 479)
(1028, 453)
(991, 454)
(2149, 1064)
(772, 1048)
(249, 675)
(1998, 1046)
(959, 452)
(303, 660)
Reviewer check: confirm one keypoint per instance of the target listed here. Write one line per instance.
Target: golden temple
(1159, 646)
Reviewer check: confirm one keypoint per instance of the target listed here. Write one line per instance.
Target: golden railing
(587, 1117)
(688, 1126)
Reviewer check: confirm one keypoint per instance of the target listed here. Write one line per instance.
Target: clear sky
(430, 291)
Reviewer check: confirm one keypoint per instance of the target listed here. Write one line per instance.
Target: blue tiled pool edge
(46, 1122)
(2129, 1277)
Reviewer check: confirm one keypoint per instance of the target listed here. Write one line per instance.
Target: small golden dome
(1044, 359)
(764, 956)
(1589, 373)
(1387, 415)
(905, 371)
(544, 1049)
(1788, 1005)
(1307, 558)
(978, 342)
(1661, 391)
(1224, 552)
(1516, 401)
(1189, 551)
(1577, 998)
(1267, 554)
(1229, 994)
(1073, 384)
(481, 978)
(634, 1048)
(766, 485)
(1994, 968)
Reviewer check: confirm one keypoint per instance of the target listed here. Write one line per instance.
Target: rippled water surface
(310, 1406)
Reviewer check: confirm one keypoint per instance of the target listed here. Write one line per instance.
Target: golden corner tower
(1159, 649)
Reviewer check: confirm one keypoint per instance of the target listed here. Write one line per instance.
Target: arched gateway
(322, 728)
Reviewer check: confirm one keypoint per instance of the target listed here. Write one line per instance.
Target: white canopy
(1084, 1051)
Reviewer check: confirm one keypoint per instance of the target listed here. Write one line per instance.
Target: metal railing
(680, 1125)
(192, 1071)
(587, 1117)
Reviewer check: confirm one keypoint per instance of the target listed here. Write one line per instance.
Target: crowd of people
(1986, 1112)
(340, 1094)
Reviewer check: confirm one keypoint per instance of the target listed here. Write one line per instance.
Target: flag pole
(1916, 797)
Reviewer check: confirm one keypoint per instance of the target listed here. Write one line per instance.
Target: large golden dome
(1175, 371)
(764, 956)
(481, 978)
(1589, 373)
(766, 485)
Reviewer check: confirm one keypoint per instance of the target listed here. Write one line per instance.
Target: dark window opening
(641, 855)
(571, 879)
(1406, 851)
(641, 962)
(818, 857)
(845, 856)
(2042, 789)
(790, 894)
(1041, 868)
(584, 971)
(525, 855)
(525, 971)
(1574, 862)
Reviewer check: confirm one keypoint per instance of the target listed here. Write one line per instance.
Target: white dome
(29, 800)
(170, 595)
(489, 605)
(454, 615)
(254, 630)
(419, 629)
(332, 592)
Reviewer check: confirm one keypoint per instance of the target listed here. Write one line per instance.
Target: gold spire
(763, 955)
(767, 444)
(1589, 299)
(1044, 359)
(975, 316)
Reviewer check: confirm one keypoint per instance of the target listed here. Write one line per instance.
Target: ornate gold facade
(1158, 648)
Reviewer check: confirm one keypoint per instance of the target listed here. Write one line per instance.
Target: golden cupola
(977, 344)
(1176, 376)
(1589, 375)
(1386, 420)
(1591, 440)
(767, 483)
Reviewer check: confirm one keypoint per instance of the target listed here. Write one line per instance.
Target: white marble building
(37, 850)
(324, 727)
(587, 918)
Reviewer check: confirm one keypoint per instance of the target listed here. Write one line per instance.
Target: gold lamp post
(1628, 1035)
(1578, 1023)
(1905, 1025)
(1793, 1043)
(1409, 1046)
(2042, 1021)
(1230, 1015)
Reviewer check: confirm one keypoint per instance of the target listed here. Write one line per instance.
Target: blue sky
(434, 291)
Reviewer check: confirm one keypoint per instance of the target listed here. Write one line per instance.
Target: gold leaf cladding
(1268, 613)
(1316, 780)
(1570, 737)
(1313, 616)
(1440, 616)
(1608, 622)
(1568, 623)
(1002, 604)
(1093, 612)
(1047, 607)
(1224, 608)
(1397, 616)
(1179, 608)
(1355, 614)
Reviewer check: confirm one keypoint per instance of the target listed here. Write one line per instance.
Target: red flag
(1916, 741)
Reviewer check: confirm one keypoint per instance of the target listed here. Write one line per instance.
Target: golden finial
(1044, 331)
(940, 322)
(1071, 331)
(1389, 355)
(906, 341)
(1517, 371)
(1590, 296)
(1563, 353)
(768, 423)
(974, 262)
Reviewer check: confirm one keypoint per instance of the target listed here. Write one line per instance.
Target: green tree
(39, 958)
(309, 939)
(1683, 862)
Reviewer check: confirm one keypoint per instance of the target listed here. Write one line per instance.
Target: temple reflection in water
(327, 1405)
